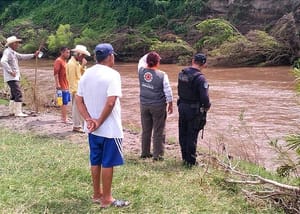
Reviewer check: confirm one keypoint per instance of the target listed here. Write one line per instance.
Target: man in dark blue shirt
(193, 104)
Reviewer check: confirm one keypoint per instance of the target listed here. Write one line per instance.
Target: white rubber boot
(18, 110)
(11, 107)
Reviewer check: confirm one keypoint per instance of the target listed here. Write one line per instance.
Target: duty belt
(192, 105)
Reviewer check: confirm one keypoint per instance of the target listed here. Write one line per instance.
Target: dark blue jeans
(189, 127)
(15, 90)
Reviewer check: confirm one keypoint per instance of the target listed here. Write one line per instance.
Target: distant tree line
(177, 29)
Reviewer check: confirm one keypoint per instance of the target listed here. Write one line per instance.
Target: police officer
(193, 104)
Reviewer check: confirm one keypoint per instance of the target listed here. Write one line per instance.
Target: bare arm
(57, 85)
(92, 123)
(56, 69)
(109, 105)
(170, 107)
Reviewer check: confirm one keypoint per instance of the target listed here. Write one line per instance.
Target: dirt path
(48, 124)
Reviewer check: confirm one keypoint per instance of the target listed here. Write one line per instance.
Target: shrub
(215, 32)
(170, 51)
(62, 37)
(88, 37)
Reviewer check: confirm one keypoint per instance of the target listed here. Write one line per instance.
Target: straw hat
(81, 49)
(12, 39)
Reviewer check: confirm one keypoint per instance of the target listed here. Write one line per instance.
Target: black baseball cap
(200, 58)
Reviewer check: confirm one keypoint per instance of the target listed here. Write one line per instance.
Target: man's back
(98, 83)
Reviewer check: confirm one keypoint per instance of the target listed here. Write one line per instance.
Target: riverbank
(245, 114)
(48, 124)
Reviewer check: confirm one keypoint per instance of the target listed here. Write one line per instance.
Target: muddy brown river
(250, 107)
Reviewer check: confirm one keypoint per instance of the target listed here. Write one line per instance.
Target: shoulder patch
(148, 77)
(205, 85)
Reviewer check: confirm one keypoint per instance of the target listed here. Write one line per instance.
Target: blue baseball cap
(104, 49)
(200, 58)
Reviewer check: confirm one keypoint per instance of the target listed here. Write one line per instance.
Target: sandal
(67, 122)
(78, 129)
(117, 203)
(96, 200)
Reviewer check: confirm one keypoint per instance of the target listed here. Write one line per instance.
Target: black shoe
(146, 156)
(189, 165)
(158, 159)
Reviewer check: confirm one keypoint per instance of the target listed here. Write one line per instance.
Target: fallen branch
(243, 182)
(283, 186)
(261, 180)
(283, 195)
(277, 184)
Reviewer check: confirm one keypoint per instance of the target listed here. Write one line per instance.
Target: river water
(250, 107)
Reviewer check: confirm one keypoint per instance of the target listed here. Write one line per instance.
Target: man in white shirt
(98, 102)
(11, 74)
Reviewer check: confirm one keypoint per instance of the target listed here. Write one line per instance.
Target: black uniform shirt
(199, 86)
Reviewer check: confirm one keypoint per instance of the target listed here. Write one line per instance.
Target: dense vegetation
(133, 24)
(176, 29)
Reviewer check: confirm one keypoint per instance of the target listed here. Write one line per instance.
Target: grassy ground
(3, 102)
(43, 175)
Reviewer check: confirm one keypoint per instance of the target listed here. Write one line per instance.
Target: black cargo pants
(190, 124)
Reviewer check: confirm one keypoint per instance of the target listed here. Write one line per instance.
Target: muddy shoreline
(250, 107)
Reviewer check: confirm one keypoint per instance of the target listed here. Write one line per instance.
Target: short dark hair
(152, 59)
(63, 49)
(99, 56)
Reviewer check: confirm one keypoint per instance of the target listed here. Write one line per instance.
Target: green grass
(1, 81)
(3, 102)
(172, 140)
(43, 175)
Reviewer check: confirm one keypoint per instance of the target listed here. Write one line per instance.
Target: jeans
(15, 90)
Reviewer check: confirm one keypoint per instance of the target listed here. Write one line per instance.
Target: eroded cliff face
(254, 14)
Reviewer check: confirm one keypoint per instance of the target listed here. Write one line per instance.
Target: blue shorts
(66, 97)
(105, 152)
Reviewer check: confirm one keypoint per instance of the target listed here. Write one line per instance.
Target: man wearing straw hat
(11, 74)
(75, 68)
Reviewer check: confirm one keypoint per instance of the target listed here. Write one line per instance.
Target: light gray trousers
(76, 117)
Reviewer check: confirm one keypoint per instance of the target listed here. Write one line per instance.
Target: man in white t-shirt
(98, 94)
